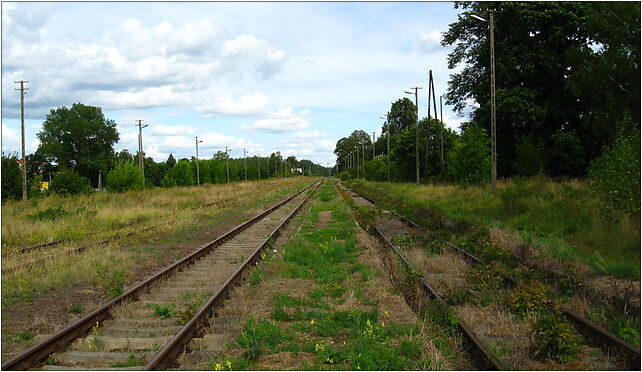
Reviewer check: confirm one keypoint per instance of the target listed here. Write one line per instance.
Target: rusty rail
(41, 350)
(183, 337)
(593, 333)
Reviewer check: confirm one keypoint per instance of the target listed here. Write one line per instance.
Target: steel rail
(593, 333)
(42, 349)
(193, 326)
(479, 349)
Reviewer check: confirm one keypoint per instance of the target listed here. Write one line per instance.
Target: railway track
(146, 327)
(445, 272)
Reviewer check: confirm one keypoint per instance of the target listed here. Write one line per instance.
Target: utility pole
(227, 164)
(356, 147)
(416, 131)
(373, 145)
(363, 157)
(387, 126)
(258, 163)
(198, 171)
(493, 116)
(441, 132)
(245, 164)
(434, 102)
(23, 90)
(141, 160)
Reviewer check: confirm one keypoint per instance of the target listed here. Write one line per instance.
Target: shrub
(126, 175)
(615, 175)
(469, 160)
(554, 338)
(529, 297)
(11, 178)
(69, 183)
(180, 175)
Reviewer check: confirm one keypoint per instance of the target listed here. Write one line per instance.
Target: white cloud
(307, 135)
(253, 54)
(430, 41)
(227, 105)
(171, 130)
(10, 138)
(283, 120)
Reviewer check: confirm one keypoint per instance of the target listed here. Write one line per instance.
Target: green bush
(469, 160)
(69, 183)
(126, 175)
(11, 178)
(554, 338)
(615, 175)
(180, 175)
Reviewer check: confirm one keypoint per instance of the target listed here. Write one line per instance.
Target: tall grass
(564, 220)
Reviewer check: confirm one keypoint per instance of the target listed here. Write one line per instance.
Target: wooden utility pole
(198, 171)
(493, 116)
(416, 130)
(441, 126)
(141, 159)
(23, 90)
(258, 163)
(434, 103)
(373, 145)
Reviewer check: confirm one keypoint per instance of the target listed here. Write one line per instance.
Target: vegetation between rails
(335, 325)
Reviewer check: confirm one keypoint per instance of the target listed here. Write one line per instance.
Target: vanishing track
(492, 325)
(150, 324)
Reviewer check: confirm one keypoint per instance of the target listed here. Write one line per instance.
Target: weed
(162, 311)
(529, 297)
(110, 276)
(480, 245)
(569, 281)
(76, 308)
(256, 276)
(410, 349)
(49, 214)
(131, 361)
(554, 338)
(23, 338)
(257, 335)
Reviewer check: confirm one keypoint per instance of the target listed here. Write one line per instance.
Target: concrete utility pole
(198, 171)
(245, 163)
(493, 114)
(441, 132)
(356, 148)
(373, 145)
(23, 90)
(141, 159)
(363, 157)
(258, 163)
(388, 146)
(227, 164)
(434, 102)
(416, 131)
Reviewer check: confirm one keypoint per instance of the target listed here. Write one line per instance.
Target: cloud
(283, 120)
(430, 41)
(227, 105)
(171, 130)
(253, 54)
(308, 135)
(10, 138)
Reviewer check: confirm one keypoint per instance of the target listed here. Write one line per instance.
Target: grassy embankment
(89, 218)
(323, 305)
(562, 220)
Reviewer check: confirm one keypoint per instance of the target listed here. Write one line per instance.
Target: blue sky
(293, 77)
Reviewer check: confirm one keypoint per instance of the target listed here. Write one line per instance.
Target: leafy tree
(170, 162)
(11, 178)
(68, 183)
(402, 115)
(124, 155)
(180, 175)
(126, 175)
(615, 175)
(565, 72)
(469, 160)
(79, 138)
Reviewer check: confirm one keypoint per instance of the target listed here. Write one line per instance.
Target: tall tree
(79, 138)
(403, 115)
(552, 60)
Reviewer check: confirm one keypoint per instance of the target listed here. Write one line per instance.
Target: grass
(561, 219)
(110, 267)
(334, 325)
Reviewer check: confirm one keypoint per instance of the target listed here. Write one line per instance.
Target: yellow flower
(228, 364)
(218, 367)
(313, 321)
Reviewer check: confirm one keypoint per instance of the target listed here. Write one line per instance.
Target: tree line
(568, 99)
(76, 153)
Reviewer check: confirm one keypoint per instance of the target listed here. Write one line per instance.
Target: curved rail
(592, 332)
(41, 350)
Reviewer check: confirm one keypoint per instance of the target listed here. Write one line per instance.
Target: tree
(126, 175)
(79, 138)
(68, 183)
(402, 115)
(170, 162)
(565, 71)
(469, 160)
(11, 178)
(180, 175)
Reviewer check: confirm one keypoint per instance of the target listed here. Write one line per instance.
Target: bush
(11, 178)
(180, 175)
(126, 175)
(554, 338)
(469, 160)
(615, 175)
(69, 183)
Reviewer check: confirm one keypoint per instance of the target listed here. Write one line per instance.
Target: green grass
(564, 220)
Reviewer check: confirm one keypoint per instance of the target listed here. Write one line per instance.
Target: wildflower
(218, 367)
(318, 347)
(313, 322)
(386, 314)
(228, 364)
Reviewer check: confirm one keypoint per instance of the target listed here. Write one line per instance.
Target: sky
(265, 77)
